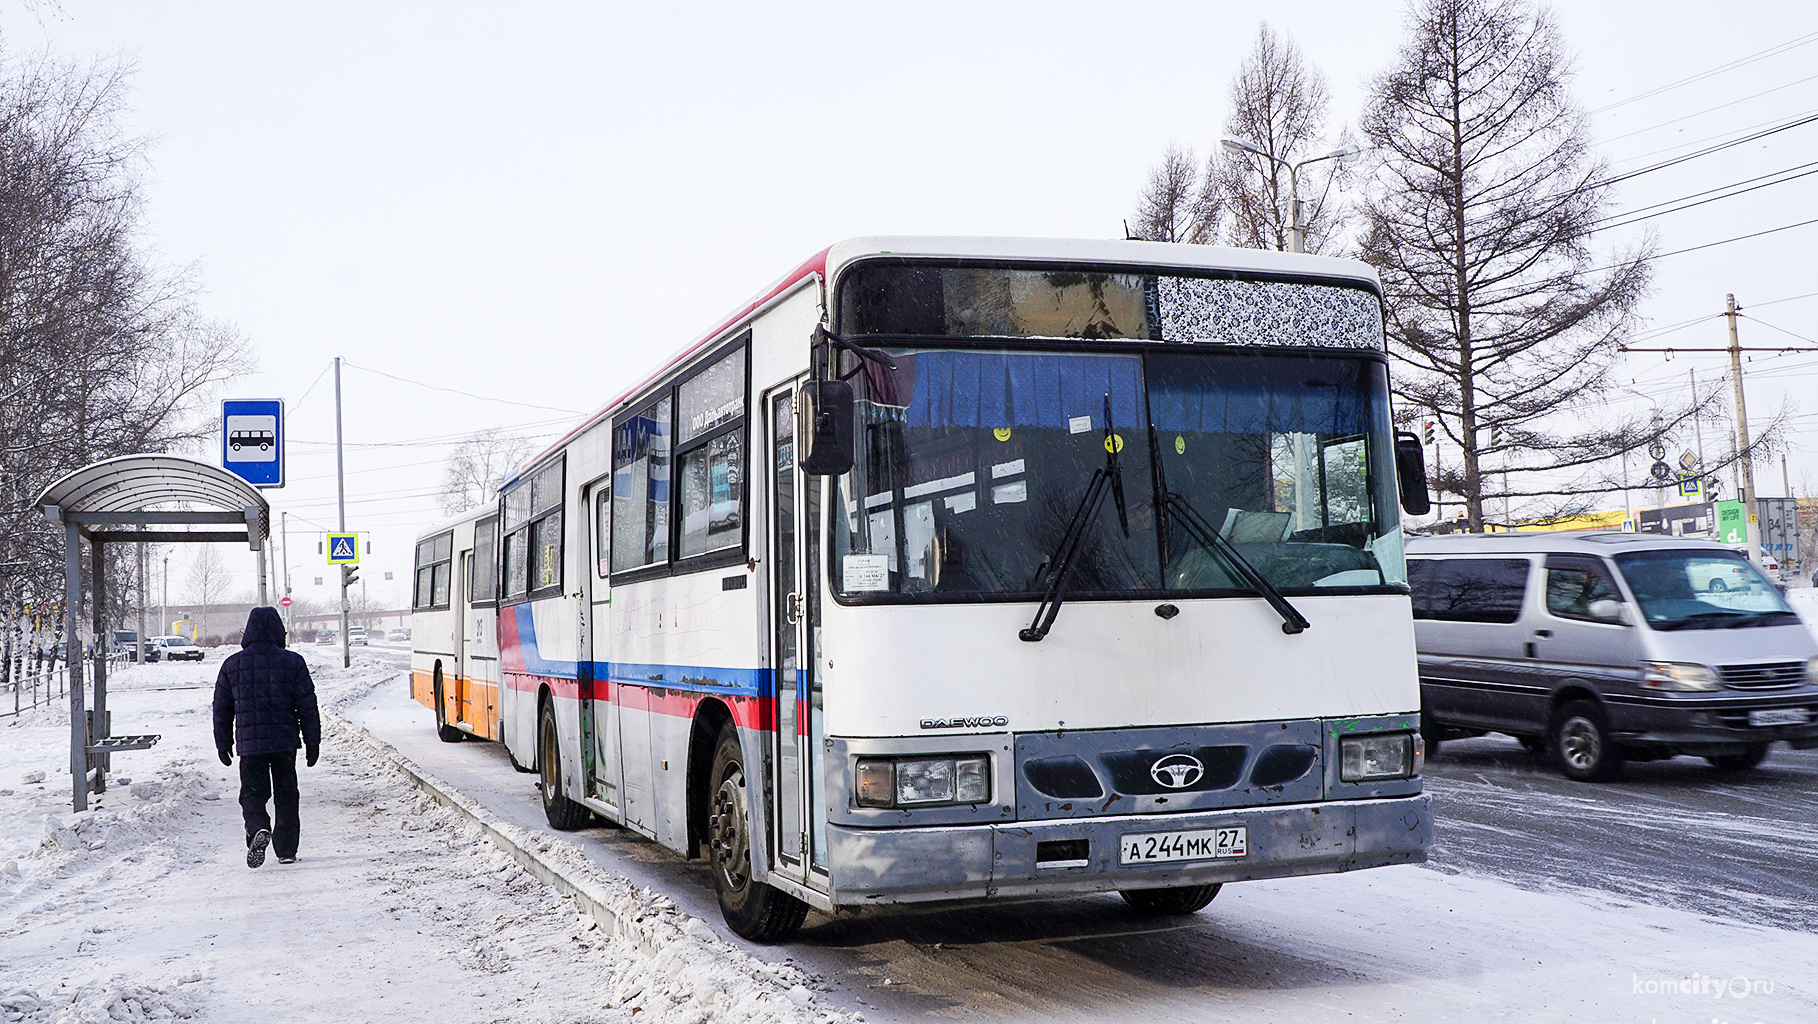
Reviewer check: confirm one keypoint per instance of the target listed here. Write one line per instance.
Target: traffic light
(1429, 431)
(349, 574)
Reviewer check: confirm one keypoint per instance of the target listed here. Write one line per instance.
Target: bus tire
(753, 910)
(1176, 899)
(1431, 733)
(564, 815)
(444, 732)
(1582, 744)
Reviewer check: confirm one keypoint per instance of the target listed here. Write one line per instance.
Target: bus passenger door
(599, 713)
(791, 604)
(463, 689)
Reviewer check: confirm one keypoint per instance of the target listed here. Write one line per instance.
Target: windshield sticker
(865, 573)
(1079, 424)
(918, 537)
(936, 486)
(1010, 493)
(1004, 469)
(964, 502)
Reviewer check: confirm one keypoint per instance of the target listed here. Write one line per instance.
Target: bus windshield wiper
(1109, 477)
(1292, 621)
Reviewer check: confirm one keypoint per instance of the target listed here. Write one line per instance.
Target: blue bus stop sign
(252, 440)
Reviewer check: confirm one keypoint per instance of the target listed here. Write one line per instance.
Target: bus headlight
(1677, 675)
(923, 781)
(1388, 755)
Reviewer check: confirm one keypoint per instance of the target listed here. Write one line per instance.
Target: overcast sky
(533, 203)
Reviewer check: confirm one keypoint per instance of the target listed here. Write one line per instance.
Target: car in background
(177, 648)
(324, 637)
(400, 635)
(356, 635)
(1602, 648)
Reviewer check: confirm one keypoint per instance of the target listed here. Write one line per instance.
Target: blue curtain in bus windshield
(1226, 396)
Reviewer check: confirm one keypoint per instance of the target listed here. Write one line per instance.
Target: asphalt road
(1738, 845)
(1737, 851)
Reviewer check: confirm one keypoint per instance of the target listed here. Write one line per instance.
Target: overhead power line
(457, 391)
(1739, 62)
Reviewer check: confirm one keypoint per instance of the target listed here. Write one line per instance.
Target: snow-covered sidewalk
(397, 909)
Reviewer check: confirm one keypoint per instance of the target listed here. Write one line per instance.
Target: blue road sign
(252, 440)
(343, 549)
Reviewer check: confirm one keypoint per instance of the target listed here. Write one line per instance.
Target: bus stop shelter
(135, 499)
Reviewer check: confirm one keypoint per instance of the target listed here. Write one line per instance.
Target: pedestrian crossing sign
(343, 549)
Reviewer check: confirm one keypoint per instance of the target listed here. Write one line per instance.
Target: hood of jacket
(263, 626)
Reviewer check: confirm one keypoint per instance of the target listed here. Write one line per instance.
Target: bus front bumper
(911, 865)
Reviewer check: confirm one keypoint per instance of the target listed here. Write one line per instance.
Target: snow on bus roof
(823, 265)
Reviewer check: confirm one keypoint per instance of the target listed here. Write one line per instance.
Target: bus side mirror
(825, 430)
(1411, 470)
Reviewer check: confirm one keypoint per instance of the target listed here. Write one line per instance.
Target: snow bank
(399, 908)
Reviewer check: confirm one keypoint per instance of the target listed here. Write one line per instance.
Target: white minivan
(1606, 647)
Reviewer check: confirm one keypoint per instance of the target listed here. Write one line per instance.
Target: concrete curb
(515, 841)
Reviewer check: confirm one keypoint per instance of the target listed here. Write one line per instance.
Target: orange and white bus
(454, 658)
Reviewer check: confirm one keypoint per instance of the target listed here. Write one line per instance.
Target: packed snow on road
(400, 909)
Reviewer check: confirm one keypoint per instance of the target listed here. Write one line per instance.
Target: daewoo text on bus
(953, 569)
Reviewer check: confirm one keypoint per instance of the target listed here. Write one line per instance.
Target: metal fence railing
(30, 683)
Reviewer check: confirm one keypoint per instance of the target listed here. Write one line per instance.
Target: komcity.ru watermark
(1701, 985)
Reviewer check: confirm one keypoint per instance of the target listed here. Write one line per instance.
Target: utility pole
(1742, 439)
(139, 655)
(164, 602)
(341, 515)
(284, 554)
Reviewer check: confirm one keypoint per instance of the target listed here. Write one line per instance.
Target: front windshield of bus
(971, 464)
(1702, 589)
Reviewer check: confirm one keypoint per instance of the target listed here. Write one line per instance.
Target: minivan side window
(1574, 581)
(1468, 589)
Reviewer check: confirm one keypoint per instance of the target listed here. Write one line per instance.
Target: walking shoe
(287, 860)
(255, 851)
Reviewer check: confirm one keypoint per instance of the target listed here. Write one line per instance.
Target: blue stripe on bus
(746, 682)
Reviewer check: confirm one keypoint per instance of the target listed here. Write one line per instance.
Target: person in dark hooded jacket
(265, 707)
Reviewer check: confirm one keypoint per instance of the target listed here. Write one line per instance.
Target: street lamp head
(1346, 154)
(1239, 146)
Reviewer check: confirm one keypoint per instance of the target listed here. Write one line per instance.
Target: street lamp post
(1297, 228)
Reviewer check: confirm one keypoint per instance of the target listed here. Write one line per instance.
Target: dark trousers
(263, 777)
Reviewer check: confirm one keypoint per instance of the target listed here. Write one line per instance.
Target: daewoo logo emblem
(1177, 771)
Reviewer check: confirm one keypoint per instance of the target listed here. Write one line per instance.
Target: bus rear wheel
(563, 814)
(1178, 899)
(752, 909)
(444, 732)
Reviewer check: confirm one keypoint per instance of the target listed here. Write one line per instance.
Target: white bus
(952, 569)
(454, 657)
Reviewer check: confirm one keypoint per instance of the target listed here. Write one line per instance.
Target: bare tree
(1278, 105)
(101, 354)
(1506, 319)
(1175, 206)
(207, 583)
(476, 466)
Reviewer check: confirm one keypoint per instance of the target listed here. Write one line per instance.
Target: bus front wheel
(1179, 899)
(752, 909)
(563, 814)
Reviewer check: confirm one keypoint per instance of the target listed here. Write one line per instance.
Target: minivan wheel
(1754, 755)
(1581, 743)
